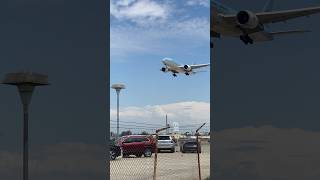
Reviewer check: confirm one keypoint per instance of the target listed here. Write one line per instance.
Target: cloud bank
(188, 114)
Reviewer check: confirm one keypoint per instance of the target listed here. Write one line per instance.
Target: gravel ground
(175, 166)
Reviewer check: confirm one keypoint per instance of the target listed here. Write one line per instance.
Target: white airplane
(250, 26)
(175, 68)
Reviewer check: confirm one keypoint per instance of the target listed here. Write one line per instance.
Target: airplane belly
(175, 70)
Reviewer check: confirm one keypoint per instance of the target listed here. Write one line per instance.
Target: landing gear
(174, 75)
(246, 39)
(187, 74)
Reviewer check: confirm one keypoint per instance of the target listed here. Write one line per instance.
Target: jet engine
(163, 69)
(247, 19)
(187, 67)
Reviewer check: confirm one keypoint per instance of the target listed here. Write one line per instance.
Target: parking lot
(175, 166)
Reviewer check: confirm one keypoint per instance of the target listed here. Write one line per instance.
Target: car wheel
(147, 153)
(113, 155)
(172, 150)
(139, 155)
(124, 155)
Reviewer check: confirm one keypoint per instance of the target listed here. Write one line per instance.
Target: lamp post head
(118, 87)
(25, 81)
(25, 78)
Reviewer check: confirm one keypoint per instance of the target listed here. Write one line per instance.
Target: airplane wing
(195, 72)
(278, 16)
(289, 32)
(196, 66)
(268, 36)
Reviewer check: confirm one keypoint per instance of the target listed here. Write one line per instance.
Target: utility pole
(167, 130)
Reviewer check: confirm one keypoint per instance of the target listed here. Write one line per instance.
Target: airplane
(176, 68)
(250, 26)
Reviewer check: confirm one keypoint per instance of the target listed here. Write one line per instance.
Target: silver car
(165, 142)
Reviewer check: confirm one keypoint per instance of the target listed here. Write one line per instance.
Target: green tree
(144, 133)
(125, 133)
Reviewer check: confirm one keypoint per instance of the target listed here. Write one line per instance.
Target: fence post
(156, 152)
(198, 147)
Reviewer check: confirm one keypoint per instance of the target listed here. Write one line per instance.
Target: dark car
(190, 146)
(137, 145)
(115, 150)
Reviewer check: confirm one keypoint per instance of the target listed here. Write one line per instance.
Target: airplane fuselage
(173, 66)
(218, 26)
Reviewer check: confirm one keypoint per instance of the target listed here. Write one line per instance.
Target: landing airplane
(250, 26)
(175, 68)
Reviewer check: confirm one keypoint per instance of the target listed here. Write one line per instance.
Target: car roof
(136, 136)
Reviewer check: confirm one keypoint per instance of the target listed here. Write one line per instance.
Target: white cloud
(123, 2)
(139, 11)
(149, 27)
(126, 40)
(185, 113)
(205, 3)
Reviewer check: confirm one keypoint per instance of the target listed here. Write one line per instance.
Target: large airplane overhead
(250, 26)
(175, 68)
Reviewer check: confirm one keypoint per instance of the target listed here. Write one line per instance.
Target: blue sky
(143, 32)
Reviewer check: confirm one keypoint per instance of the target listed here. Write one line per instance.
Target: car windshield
(164, 138)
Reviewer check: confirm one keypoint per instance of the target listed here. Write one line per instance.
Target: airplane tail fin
(289, 32)
(268, 6)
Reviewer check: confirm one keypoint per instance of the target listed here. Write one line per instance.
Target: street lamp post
(25, 83)
(118, 88)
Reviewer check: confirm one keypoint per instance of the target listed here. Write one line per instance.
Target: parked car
(115, 150)
(137, 145)
(190, 146)
(165, 142)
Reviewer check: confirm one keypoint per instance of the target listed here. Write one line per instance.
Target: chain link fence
(139, 156)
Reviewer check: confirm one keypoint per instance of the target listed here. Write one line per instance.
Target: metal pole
(198, 148)
(25, 141)
(198, 156)
(156, 152)
(118, 92)
(155, 159)
(167, 130)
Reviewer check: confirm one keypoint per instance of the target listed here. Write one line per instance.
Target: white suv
(165, 142)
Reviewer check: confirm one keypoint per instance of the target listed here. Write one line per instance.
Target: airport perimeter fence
(183, 163)
(139, 160)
